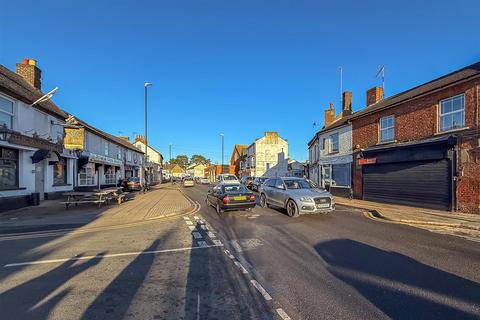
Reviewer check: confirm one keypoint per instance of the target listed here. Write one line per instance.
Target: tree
(198, 159)
(181, 160)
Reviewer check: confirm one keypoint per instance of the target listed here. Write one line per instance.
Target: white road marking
(217, 242)
(186, 218)
(188, 222)
(239, 265)
(259, 287)
(196, 217)
(114, 255)
(202, 244)
(211, 234)
(229, 254)
(236, 246)
(204, 227)
(197, 235)
(283, 314)
(192, 228)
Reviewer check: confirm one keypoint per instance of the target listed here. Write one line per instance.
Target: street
(241, 265)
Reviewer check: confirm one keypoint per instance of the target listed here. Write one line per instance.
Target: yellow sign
(74, 138)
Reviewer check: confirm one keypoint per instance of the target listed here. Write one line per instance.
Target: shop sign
(103, 159)
(74, 138)
(367, 161)
(34, 142)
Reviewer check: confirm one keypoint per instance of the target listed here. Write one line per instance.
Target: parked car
(257, 182)
(247, 181)
(134, 183)
(204, 181)
(188, 182)
(229, 197)
(296, 195)
(226, 178)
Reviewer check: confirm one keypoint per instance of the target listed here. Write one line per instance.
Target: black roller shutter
(418, 183)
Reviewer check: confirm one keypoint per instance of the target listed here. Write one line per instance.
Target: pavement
(238, 265)
(446, 222)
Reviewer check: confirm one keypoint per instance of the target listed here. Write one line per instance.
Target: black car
(255, 186)
(230, 197)
(247, 181)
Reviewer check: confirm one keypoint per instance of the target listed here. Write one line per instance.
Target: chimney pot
(329, 115)
(374, 95)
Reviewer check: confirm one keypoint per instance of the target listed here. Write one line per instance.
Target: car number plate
(240, 198)
(323, 205)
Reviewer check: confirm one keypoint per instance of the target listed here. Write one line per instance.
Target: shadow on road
(400, 286)
(27, 300)
(217, 290)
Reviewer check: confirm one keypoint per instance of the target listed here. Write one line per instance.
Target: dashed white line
(236, 246)
(188, 222)
(211, 234)
(239, 265)
(202, 244)
(192, 228)
(186, 218)
(197, 235)
(228, 254)
(283, 314)
(262, 291)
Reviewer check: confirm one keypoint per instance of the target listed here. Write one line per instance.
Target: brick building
(422, 146)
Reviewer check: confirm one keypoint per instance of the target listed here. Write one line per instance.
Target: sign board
(35, 142)
(103, 159)
(367, 161)
(74, 138)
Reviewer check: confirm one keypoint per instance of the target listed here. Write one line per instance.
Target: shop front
(336, 175)
(98, 171)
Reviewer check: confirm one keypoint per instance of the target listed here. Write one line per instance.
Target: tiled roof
(16, 86)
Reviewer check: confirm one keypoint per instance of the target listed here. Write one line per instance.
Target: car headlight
(306, 199)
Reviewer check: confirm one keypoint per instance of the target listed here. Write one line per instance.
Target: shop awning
(39, 155)
(83, 160)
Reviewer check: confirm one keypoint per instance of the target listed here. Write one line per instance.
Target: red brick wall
(468, 181)
(415, 120)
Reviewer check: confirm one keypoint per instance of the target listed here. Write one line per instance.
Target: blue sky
(239, 67)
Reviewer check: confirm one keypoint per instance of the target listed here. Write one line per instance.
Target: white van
(227, 179)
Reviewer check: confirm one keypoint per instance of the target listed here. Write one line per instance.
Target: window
(8, 169)
(334, 142)
(387, 129)
(6, 112)
(60, 172)
(452, 113)
(341, 174)
(106, 148)
(324, 142)
(110, 177)
(129, 156)
(86, 176)
(119, 154)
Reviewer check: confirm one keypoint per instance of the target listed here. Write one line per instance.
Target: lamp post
(146, 85)
(5, 133)
(223, 136)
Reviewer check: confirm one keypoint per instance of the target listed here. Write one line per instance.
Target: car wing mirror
(281, 186)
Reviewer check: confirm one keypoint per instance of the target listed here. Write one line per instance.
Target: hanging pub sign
(367, 161)
(74, 138)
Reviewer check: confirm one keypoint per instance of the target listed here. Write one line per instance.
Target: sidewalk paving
(459, 224)
(162, 201)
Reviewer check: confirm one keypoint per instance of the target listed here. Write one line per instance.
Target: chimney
(29, 71)
(329, 115)
(139, 138)
(374, 95)
(346, 103)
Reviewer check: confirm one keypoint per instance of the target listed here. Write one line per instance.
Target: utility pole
(222, 135)
(146, 85)
(341, 83)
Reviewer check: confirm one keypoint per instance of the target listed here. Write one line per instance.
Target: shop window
(86, 176)
(452, 113)
(8, 168)
(106, 148)
(387, 129)
(110, 177)
(60, 172)
(6, 112)
(341, 175)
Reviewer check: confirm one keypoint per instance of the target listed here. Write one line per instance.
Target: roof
(16, 86)
(108, 136)
(143, 144)
(465, 73)
(336, 124)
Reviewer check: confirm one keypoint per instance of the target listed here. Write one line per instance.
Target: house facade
(286, 168)
(197, 170)
(330, 150)
(421, 147)
(33, 163)
(238, 157)
(262, 154)
(154, 165)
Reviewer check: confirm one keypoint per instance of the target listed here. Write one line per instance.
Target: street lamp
(146, 85)
(5, 133)
(223, 136)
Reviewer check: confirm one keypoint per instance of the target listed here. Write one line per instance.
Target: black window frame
(17, 171)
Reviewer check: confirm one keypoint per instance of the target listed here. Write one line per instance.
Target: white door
(40, 178)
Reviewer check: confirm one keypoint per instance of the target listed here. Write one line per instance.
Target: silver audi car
(296, 195)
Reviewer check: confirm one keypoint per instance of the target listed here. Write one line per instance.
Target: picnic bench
(97, 196)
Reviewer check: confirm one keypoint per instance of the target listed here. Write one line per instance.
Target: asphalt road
(343, 265)
(255, 265)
